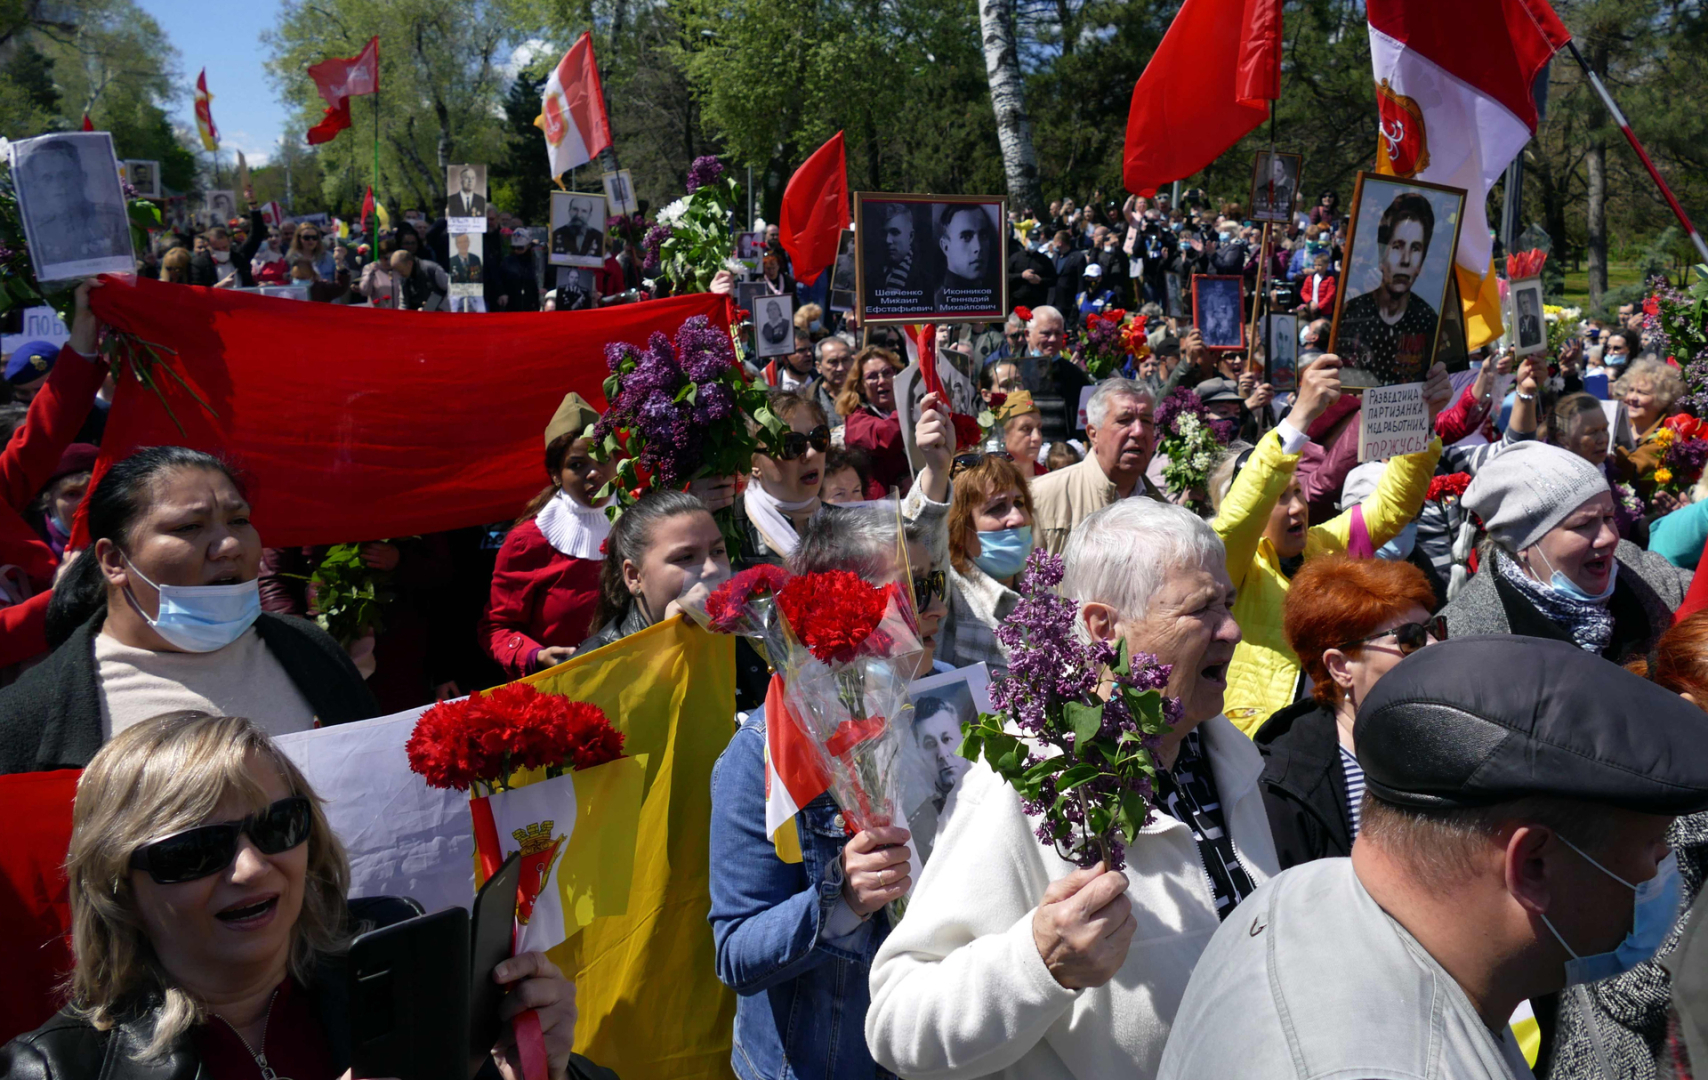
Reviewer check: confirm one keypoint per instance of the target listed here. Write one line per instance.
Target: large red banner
(356, 423)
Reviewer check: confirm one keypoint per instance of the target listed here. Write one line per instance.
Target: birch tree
(1008, 100)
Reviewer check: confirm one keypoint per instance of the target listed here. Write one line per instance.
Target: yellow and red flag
(204, 114)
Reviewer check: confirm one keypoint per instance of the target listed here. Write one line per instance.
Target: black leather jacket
(68, 1047)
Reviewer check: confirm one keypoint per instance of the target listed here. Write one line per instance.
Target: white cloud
(523, 55)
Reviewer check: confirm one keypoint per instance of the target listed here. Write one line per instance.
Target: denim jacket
(801, 1009)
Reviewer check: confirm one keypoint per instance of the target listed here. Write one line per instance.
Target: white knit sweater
(958, 988)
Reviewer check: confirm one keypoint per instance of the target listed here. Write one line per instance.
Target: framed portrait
(1274, 185)
(747, 294)
(1527, 326)
(842, 276)
(910, 396)
(1450, 348)
(220, 206)
(1281, 353)
(466, 271)
(749, 250)
(774, 325)
(620, 193)
(1218, 309)
(1400, 239)
(1176, 296)
(73, 209)
(943, 707)
(578, 234)
(576, 289)
(465, 198)
(144, 176)
(930, 258)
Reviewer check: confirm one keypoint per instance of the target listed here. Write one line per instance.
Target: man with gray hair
(1122, 433)
(1013, 961)
(834, 356)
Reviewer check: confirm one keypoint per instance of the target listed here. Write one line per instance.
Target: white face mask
(201, 618)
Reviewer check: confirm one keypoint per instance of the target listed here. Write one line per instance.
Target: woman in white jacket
(1012, 962)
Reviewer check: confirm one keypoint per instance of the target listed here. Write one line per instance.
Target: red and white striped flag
(572, 110)
(794, 775)
(1453, 81)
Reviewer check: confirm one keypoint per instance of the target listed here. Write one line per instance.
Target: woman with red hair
(1350, 621)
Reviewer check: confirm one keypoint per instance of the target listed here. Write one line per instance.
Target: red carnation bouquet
(517, 752)
(1448, 488)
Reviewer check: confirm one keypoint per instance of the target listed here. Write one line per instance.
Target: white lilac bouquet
(1193, 442)
(1084, 764)
(694, 236)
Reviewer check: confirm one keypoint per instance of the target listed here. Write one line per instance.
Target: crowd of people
(1436, 804)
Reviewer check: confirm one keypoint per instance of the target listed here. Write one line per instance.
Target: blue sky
(226, 39)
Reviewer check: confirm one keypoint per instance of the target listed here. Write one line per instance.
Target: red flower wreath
(725, 606)
(832, 613)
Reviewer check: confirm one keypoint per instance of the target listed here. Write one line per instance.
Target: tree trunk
(1008, 99)
(1596, 168)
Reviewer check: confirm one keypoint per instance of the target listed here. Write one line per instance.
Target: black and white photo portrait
(842, 282)
(465, 198)
(1399, 257)
(620, 193)
(576, 289)
(1281, 353)
(774, 324)
(144, 176)
(72, 206)
(578, 235)
(466, 271)
(1529, 329)
(1218, 310)
(921, 258)
(221, 206)
(1274, 185)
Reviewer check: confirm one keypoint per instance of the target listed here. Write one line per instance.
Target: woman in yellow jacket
(1264, 521)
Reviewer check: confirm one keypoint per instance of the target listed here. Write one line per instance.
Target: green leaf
(1085, 721)
(1123, 660)
(613, 385)
(1131, 814)
(1082, 773)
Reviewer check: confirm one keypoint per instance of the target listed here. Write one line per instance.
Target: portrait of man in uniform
(576, 241)
(72, 206)
(467, 191)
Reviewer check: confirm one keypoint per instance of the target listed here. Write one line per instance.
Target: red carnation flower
(1652, 306)
(967, 431)
(1023, 313)
(727, 604)
(1451, 486)
(997, 400)
(832, 612)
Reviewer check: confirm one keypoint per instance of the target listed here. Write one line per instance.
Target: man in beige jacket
(1122, 433)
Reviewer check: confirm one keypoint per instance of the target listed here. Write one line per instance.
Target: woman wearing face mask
(1628, 1016)
(1649, 390)
(664, 547)
(210, 923)
(868, 401)
(1264, 520)
(63, 491)
(1553, 565)
(990, 536)
(1349, 621)
(546, 582)
(162, 613)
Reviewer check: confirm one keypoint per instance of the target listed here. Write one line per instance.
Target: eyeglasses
(963, 462)
(925, 586)
(208, 849)
(796, 444)
(1409, 637)
(309, 236)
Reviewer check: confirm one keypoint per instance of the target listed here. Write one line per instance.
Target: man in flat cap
(1517, 798)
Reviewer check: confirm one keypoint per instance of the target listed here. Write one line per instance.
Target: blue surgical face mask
(201, 618)
(1400, 547)
(1002, 552)
(1568, 588)
(1654, 912)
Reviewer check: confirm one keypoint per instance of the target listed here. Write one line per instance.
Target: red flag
(88, 124)
(35, 901)
(1206, 86)
(204, 114)
(815, 210)
(367, 208)
(339, 79)
(572, 110)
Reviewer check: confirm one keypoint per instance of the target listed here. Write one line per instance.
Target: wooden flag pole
(1257, 301)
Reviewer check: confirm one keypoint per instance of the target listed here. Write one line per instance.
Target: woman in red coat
(546, 583)
(868, 400)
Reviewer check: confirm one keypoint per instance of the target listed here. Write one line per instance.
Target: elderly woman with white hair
(209, 922)
(1010, 959)
(1649, 390)
(1553, 565)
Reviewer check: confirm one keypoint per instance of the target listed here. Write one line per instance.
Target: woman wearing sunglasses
(162, 613)
(782, 495)
(1349, 621)
(209, 919)
(1553, 565)
(309, 247)
(868, 401)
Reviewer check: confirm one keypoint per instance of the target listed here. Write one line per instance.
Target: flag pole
(374, 229)
(1630, 137)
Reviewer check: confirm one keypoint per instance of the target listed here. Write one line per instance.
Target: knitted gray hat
(1360, 483)
(1527, 489)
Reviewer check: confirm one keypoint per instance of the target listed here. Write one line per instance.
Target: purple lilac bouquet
(1083, 765)
(679, 411)
(1675, 324)
(705, 171)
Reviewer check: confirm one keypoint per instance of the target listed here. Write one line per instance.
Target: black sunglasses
(208, 849)
(795, 444)
(925, 586)
(1410, 637)
(963, 462)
